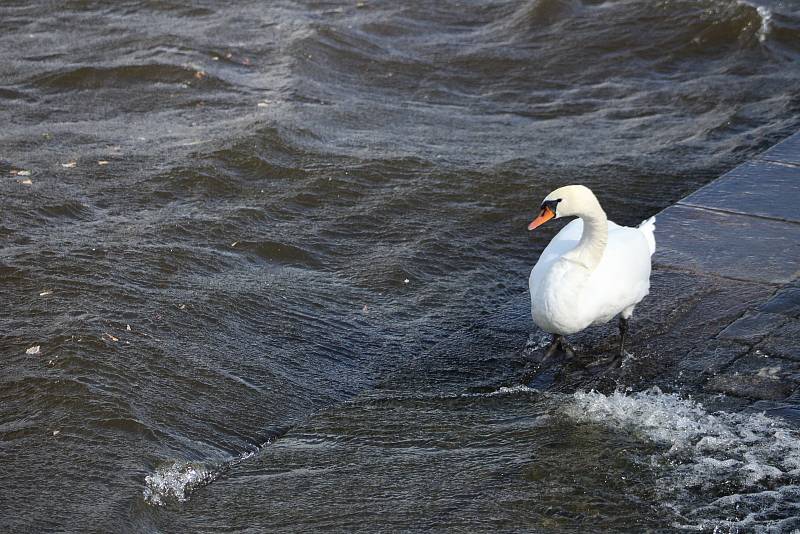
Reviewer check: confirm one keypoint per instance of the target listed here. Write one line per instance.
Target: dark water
(303, 206)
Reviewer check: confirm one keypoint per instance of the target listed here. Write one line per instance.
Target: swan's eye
(551, 205)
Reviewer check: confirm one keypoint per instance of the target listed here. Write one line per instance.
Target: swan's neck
(594, 239)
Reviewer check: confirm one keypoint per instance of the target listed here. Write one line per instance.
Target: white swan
(591, 271)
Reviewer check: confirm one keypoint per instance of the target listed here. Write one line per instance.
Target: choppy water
(298, 199)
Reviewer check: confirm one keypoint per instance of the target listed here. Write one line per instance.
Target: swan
(591, 271)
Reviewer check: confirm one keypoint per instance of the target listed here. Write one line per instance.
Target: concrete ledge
(758, 188)
(787, 151)
(727, 244)
(743, 225)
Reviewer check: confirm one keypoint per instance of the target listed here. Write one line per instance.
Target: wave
(124, 76)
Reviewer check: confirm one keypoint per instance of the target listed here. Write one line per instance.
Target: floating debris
(128, 327)
(27, 181)
(183, 306)
(263, 104)
(234, 243)
(102, 162)
(69, 164)
(406, 281)
(112, 338)
(200, 74)
(33, 350)
(56, 432)
(45, 293)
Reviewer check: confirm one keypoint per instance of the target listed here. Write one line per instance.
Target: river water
(238, 237)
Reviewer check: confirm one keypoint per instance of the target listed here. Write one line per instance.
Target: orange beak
(543, 217)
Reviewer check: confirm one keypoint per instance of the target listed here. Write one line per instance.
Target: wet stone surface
(757, 376)
(712, 357)
(753, 327)
(786, 301)
(784, 341)
(728, 244)
(760, 188)
(787, 151)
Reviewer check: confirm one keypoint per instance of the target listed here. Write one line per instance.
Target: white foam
(176, 481)
(766, 19)
(750, 463)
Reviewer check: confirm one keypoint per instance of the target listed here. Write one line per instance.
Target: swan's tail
(648, 227)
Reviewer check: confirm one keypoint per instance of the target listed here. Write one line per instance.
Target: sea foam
(719, 471)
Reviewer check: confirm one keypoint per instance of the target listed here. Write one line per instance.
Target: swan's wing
(623, 276)
(648, 228)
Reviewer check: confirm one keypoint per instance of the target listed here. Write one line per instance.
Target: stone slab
(757, 376)
(759, 188)
(783, 342)
(728, 244)
(751, 386)
(753, 327)
(711, 357)
(787, 151)
(786, 302)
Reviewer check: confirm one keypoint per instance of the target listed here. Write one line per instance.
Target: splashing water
(721, 470)
(176, 481)
(766, 18)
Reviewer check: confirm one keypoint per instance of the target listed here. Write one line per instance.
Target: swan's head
(565, 202)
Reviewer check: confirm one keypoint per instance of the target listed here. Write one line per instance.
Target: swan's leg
(552, 347)
(566, 347)
(623, 333)
(616, 360)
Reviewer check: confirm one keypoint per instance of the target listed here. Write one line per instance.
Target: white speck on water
(26, 182)
(45, 293)
(102, 162)
(33, 350)
(69, 164)
(406, 281)
(22, 173)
